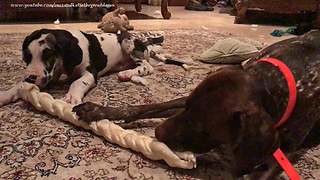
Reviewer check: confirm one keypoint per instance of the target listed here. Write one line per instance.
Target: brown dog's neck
(271, 86)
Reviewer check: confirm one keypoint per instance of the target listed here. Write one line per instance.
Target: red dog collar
(291, 85)
(280, 157)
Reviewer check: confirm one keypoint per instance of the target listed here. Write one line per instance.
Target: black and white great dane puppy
(84, 57)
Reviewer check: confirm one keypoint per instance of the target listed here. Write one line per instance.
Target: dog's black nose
(31, 79)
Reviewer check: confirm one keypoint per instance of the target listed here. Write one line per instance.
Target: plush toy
(114, 21)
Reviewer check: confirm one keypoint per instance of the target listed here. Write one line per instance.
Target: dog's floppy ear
(255, 138)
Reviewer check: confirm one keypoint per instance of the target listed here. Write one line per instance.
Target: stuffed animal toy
(114, 21)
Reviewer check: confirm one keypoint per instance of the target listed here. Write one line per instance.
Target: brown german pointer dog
(240, 107)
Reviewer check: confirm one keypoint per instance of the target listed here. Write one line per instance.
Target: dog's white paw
(72, 99)
(126, 75)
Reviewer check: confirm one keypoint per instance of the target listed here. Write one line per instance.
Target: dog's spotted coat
(84, 57)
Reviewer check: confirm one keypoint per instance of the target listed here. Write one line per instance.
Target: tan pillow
(231, 50)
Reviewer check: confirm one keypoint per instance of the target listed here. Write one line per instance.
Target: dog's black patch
(139, 45)
(102, 39)
(123, 36)
(169, 61)
(35, 35)
(41, 42)
(27, 56)
(98, 60)
(155, 40)
(71, 52)
(66, 45)
(85, 83)
(49, 57)
(47, 54)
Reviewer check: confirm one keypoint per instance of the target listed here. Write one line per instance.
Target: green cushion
(231, 50)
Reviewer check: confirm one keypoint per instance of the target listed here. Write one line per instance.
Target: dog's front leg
(89, 112)
(79, 87)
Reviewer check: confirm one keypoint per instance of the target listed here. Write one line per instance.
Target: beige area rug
(35, 145)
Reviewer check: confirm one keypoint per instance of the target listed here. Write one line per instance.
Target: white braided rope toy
(113, 133)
